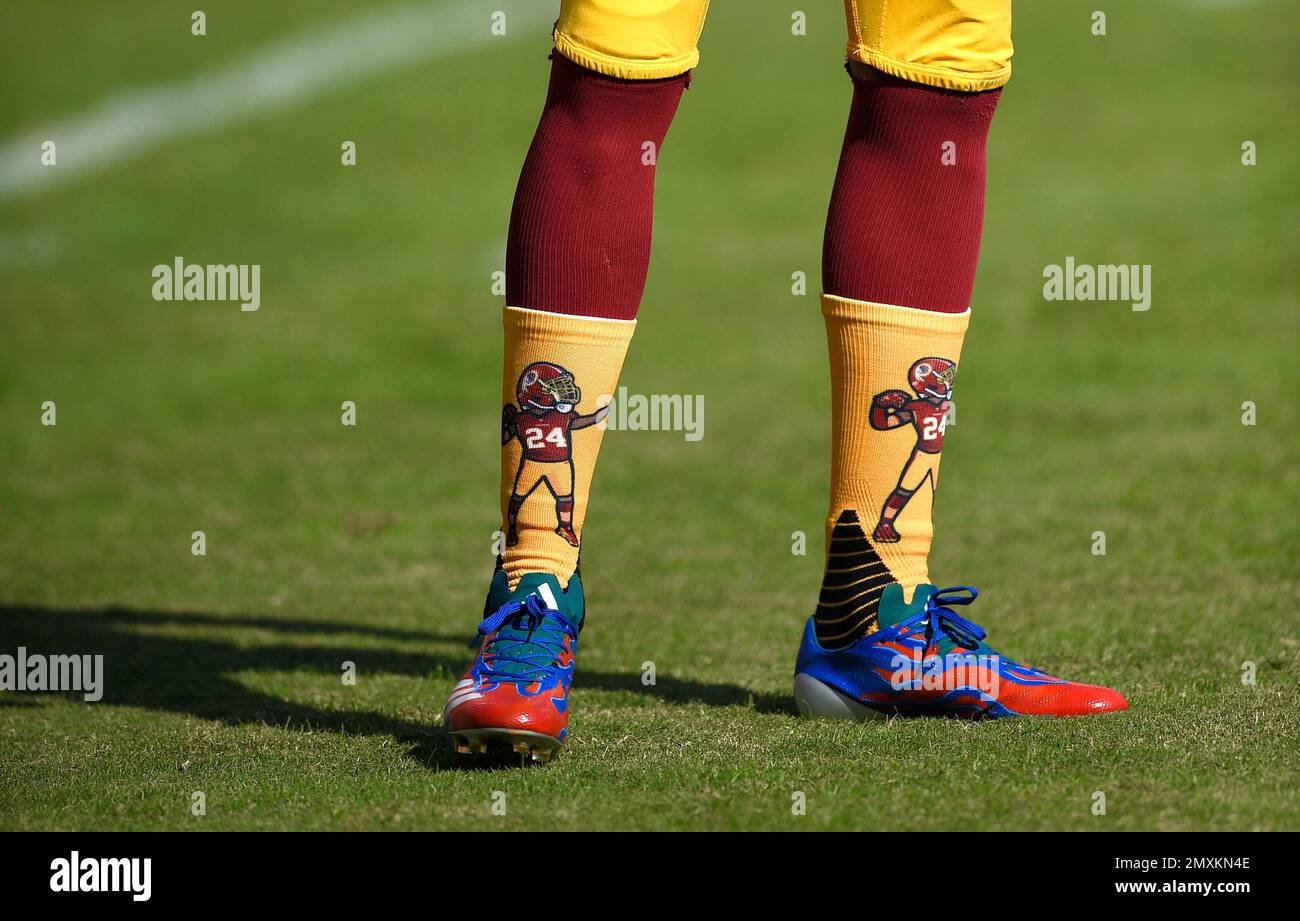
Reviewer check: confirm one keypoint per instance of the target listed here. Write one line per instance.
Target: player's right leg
(576, 261)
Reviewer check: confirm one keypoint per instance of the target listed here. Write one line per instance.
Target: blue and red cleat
(926, 660)
(516, 691)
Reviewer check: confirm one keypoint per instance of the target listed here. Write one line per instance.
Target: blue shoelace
(530, 637)
(939, 617)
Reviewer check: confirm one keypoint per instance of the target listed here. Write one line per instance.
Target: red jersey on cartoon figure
(927, 413)
(543, 423)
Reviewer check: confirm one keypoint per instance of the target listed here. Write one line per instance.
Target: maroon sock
(580, 228)
(903, 227)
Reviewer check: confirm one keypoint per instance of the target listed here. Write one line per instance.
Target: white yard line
(277, 75)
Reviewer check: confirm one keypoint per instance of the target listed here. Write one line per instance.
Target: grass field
(371, 543)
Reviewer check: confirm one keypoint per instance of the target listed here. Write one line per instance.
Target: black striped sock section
(855, 578)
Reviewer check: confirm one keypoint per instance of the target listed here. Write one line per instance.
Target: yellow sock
(892, 371)
(560, 372)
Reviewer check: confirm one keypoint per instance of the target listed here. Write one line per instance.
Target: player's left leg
(564, 519)
(562, 488)
(885, 532)
(922, 469)
(902, 240)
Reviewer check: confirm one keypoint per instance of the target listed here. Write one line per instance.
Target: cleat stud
(521, 748)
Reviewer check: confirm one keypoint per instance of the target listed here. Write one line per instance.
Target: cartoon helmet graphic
(932, 377)
(543, 385)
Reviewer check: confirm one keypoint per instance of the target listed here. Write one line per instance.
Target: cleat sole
(536, 746)
(816, 699)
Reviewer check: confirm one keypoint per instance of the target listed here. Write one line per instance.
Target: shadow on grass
(150, 665)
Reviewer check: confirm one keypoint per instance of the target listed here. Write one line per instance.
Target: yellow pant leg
(952, 44)
(920, 467)
(560, 475)
(632, 39)
(527, 475)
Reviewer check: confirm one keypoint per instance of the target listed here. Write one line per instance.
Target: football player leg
(577, 254)
(922, 468)
(512, 515)
(885, 532)
(527, 478)
(564, 519)
(926, 80)
(561, 483)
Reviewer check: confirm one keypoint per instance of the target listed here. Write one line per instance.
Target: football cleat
(926, 660)
(516, 691)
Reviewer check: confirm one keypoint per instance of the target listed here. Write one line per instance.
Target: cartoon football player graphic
(544, 422)
(931, 378)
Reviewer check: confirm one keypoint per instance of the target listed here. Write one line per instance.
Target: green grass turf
(372, 544)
